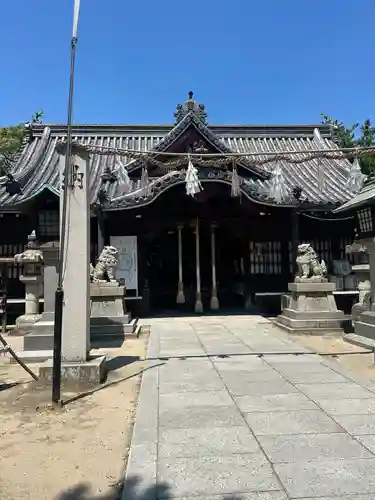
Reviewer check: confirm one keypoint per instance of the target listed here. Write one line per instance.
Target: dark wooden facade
(253, 243)
(256, 237)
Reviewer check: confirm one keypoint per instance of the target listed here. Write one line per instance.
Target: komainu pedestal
(107, 297)
(108, 313)
(312, 307)
(312, 310)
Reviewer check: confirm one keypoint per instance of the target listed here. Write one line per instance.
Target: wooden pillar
(180, 299)
(286, 273)
(198, 308)
(143, 272)
(214, 304)
(100, 237)
(103, 229)
(295, 237)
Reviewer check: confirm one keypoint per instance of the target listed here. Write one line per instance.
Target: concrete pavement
(215, 421)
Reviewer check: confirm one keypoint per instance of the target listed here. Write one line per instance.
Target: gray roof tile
(37, 167)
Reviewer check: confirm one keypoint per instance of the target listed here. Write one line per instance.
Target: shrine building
(233, 241)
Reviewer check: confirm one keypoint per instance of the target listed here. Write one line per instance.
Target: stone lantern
(31, 261)
(361, 269)
(362, 206)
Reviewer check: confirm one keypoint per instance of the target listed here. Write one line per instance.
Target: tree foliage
(355, 136)
(11, 142)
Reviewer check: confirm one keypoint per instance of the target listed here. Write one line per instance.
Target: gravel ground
(78, 452)
(361, 364)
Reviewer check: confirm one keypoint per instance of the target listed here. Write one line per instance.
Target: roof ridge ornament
(190, 106)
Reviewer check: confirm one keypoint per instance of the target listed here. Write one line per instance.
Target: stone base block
(27, 321)
(314, 315)
(47, 316)
(311, 322)
(311, 287)
(43, 327)
(108, 313)
(310, 326)
(357, 310)
(365, 326)
(91, 372)
(41, 340)
(359, 341)
(285, 301)
(107, 299)
(33, 356)
(119, 326)
(38, 342)
(40, 337)
(311, 309)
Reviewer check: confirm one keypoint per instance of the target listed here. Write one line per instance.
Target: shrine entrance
(163, 267)
(211, 263)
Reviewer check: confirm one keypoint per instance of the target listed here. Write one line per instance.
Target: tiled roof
(37, 168)
(365, 197)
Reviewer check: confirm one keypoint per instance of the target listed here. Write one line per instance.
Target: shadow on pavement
(128, 491)
(106, 384)
(5, 386)
(120, 361)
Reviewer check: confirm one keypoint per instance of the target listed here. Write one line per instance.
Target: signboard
(128, 266)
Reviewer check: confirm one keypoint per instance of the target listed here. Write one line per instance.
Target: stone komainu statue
(309, 267)
(105, 268)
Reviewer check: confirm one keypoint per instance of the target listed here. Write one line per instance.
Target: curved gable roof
(38, 166)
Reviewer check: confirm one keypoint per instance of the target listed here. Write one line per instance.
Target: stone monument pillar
(51, 271)
(31, 260)
(76, 264)
(312, 307)
(76, 366)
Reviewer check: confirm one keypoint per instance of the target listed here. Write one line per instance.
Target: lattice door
(265, 257)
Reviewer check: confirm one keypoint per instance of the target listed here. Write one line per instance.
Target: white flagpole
(59, 294)
(75, 18)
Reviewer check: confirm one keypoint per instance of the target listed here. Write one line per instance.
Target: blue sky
(268, 61)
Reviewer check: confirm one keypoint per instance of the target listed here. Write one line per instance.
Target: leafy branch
(12, 139)
(355, 136)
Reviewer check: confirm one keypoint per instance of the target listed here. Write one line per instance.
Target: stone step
(131, 327)
(38, 342)
(33, 356)
(126, 330)
(359, 341)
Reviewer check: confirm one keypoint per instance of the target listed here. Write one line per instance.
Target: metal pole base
(57, 337)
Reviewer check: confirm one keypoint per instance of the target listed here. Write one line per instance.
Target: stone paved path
(215, 421)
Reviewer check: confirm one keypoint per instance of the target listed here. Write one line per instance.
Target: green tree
(11, 142)
(355, 136)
